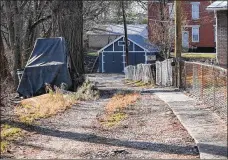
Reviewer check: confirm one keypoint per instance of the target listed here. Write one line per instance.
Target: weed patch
(4, 145)
(114, 110)
(92, 54)
(53, 102)
(114, 119)
(43, 106)
(87, 91)
(138, 84)
(8, 133)
(120, 101)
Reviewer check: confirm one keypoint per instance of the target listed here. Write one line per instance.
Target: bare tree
(24, 21)
(161, 24)
(69, 20)
(36, 24)
(4, 72)
(13, 24)
(21, 25)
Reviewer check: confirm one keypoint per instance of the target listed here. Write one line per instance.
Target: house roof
(138, 40)
(139, 29)
(143, 42)
(218, 5)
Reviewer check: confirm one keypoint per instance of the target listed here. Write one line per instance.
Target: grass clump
(121, 101)
(199, 55)
(196, 55)
(114, 119)
(114, 110)
(4, 145)
(53, 102)
(43, 106)
(138, 83)
(92, 54)
(87, 91)
(8, 133)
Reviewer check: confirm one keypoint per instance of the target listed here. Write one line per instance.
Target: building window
(195, 10)
(195, 34)
(171, 10)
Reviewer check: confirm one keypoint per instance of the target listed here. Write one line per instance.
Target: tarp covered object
(47, 64)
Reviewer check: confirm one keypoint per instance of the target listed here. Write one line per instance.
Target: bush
(88, 91)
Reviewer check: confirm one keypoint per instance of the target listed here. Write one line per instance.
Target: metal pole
(178, 40)
(125, 33)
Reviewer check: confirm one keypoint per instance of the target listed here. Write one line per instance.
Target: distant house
(102, 35)
(199, 30)
(112, 56)
(220, 9)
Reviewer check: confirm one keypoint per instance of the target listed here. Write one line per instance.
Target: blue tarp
(47, 64)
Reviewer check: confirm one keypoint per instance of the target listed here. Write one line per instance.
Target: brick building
(198, 33)
(220, 9)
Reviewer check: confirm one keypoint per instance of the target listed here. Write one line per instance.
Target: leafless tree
(24, 21)
(21, 25)
(68, 18)
(161, 24)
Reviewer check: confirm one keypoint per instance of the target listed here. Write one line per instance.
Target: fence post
(202, 82)
(185, 74)
(194, 71)
(226, 88)
(161, 73)
(213, 71)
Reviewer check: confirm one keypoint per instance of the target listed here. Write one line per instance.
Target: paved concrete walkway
(203, 125)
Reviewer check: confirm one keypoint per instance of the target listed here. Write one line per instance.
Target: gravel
(151, 130)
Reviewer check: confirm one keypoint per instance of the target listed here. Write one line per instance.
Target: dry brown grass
(53, 102)
(114, 110)
(138, 84)
(119, 102)
(43, 106)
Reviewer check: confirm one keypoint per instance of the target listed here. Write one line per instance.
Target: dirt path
(150, 131)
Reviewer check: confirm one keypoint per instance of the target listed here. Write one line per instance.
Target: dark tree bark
(4, 72)
(69, 19)
(125, 33)
(14, 25)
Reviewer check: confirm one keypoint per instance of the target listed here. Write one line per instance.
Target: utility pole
(125, 34)
(178, 41)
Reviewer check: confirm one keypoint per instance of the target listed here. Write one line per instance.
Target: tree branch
(39, 21)
(23, 5)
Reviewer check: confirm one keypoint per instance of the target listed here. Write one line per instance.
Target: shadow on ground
(91, 138)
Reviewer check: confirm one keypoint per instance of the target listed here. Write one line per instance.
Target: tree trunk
(13, 23)
(69, 19)
(4, 69)
(3, 61)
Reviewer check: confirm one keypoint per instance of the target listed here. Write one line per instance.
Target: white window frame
(195, 27)
(171, 10)
(195, 15)
(215, 32)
